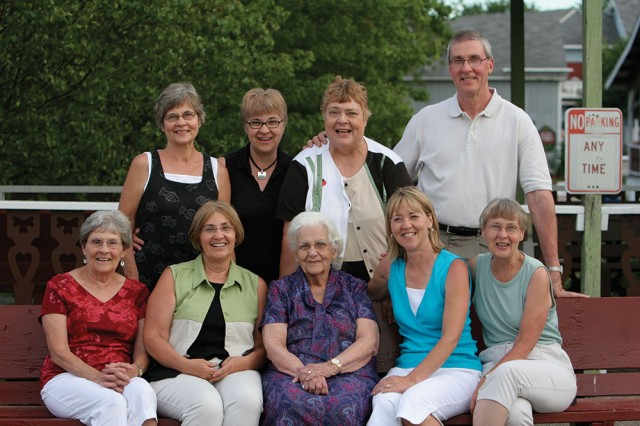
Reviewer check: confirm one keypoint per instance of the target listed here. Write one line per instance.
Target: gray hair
(311, 219)
(504, 208)
(470, 35)
(107, 221)
(175, 95)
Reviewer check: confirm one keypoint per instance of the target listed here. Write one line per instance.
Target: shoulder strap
(316, 194)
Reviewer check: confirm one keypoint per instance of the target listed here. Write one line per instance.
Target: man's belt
(460, 230)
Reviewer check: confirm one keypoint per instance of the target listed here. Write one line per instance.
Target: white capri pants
(544, 382)
(234, 400)
(446, 393)
(72, 397)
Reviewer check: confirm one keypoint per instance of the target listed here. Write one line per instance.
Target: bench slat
(20, 393)
(609, 384)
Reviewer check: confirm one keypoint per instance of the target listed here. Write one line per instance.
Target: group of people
(238, 290)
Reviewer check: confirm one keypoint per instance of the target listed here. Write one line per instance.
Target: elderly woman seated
(93, 319)
(320, 333)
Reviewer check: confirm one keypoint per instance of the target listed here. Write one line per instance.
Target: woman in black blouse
(256, 173)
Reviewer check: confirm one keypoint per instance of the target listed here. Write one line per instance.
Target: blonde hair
(259, 101)
(414, 199)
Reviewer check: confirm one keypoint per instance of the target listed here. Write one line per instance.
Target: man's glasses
(186, 116)
(474, 62)
(257, 124)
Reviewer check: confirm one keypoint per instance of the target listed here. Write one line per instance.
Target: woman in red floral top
(93, 319)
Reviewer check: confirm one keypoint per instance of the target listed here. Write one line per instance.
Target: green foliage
(78, 78)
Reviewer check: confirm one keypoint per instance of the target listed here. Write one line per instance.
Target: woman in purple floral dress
(321, 335)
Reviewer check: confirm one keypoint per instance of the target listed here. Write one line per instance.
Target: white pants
(545, 382)
(234, 400)
(72, 397)
(446, 393)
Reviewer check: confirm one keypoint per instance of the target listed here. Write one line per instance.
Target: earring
(84, 260)
(122, 263)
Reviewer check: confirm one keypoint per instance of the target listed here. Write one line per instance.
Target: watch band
(556, 269)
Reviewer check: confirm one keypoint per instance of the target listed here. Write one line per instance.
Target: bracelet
(140, 372)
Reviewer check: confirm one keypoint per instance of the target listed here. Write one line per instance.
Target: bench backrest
(603, 333)
(598, 334)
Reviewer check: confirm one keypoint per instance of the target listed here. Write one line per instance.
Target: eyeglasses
(496, 229)
(212, 230)
(474, 62)
(319, 245)
(186, 116)
(97, 243)
(257, 124)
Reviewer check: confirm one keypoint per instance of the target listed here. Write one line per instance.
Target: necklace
(262, 174)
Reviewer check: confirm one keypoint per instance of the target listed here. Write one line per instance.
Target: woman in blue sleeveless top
(438, 369)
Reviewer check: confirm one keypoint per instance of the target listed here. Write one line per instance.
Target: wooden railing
(39, 239)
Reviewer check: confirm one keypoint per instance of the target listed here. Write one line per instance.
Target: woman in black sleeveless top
(165, 188)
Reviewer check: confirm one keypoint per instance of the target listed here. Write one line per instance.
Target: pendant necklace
(262, 174)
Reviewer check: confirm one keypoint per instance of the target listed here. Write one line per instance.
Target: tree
(78, 79)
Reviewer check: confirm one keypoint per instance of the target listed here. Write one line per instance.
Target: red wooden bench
(602, 338)
(599, 334)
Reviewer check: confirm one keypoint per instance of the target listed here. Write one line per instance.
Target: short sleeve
(277, 308)
(53, 302)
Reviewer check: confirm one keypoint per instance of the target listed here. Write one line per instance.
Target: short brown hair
(205, 211)
(342, 91)
(413, 198)
(505, 208)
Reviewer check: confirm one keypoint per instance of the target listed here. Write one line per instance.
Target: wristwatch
(556, 269)
(337, 363)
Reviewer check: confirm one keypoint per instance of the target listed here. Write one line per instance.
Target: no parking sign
(594, 150)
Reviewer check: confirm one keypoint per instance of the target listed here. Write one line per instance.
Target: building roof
(625, 73)
(544, 51)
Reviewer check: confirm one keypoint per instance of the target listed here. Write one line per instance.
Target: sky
(546, 4)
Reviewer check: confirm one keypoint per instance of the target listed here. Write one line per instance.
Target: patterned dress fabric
(99, 332)
(316, 333)
(164, 216)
